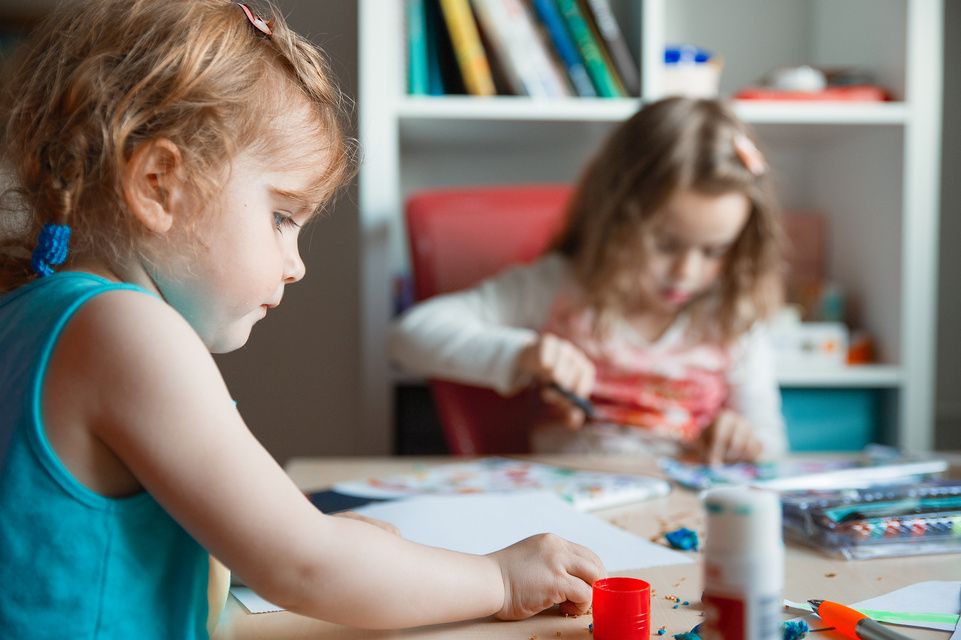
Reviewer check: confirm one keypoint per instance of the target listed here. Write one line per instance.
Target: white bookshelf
(877, 376)
(873, 169)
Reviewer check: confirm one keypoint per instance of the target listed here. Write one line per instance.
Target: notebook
(584, 490)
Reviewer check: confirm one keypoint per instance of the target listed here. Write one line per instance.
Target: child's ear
(152, 185)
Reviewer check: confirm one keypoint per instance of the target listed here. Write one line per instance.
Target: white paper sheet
(935, 596)
(252, 602)
(485, 523)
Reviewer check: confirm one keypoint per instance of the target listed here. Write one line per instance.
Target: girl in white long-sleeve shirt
(650, 303)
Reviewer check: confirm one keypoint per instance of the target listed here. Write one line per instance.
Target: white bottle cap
(741, 519)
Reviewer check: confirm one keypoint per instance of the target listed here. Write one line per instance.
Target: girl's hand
(386, 526)
(545, 570)
(553, 359)
(729, 439)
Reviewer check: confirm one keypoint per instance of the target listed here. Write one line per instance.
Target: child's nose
(294, 269)
(687, 264)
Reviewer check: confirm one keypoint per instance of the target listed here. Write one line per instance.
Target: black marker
(581, 403)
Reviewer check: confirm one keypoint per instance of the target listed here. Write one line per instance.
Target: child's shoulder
(552, 268)
(131, 319)
(127, 335)
(125, 355)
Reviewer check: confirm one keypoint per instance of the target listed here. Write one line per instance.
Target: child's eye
(666, 246)
(282, 220)
(716, 252)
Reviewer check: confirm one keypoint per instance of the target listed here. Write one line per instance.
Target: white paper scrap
(252, 602)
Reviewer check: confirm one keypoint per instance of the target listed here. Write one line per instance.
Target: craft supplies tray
(881, 521)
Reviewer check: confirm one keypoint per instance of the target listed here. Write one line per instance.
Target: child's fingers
(584, 569)
(549, 354)
(583, 383)
(587, 565)
(721, 434)
(573, 417)
(569, 366)
(579, 606)
(578, 593)
(558, 360)
(754, 450)
(739, 441)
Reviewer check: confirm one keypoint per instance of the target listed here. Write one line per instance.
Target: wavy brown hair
(670, 145)
(100, 77)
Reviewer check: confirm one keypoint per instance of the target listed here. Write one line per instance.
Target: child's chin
(231, 342)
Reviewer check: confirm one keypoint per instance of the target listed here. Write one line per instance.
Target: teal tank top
(73, 563)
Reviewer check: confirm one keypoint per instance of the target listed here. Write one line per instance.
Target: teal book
(597, 68)
(619, 53)
(417, 72)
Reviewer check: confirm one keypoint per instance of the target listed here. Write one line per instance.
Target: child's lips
(676, 296)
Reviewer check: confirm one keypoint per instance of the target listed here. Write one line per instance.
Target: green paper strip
(905, 617)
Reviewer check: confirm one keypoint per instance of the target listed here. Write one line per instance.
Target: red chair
(459, 237)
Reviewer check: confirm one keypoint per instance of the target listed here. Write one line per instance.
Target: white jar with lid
(743, 565)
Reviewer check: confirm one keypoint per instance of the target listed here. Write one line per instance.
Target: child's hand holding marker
(568, 375)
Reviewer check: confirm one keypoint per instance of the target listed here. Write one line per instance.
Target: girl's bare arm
(157, 400)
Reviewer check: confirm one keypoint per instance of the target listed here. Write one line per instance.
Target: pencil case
(885, 521)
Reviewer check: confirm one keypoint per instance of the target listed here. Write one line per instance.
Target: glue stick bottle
(743, 565)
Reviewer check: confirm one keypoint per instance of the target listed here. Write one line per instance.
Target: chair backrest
(457, 238)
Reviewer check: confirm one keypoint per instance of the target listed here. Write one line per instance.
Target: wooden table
(808, 573)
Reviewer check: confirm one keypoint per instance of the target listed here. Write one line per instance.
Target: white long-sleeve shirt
(475, 336)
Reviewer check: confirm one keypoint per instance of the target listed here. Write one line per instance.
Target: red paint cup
(622, 609)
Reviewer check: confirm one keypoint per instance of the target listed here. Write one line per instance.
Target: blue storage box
(832, 419)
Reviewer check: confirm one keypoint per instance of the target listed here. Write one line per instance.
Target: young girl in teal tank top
(166, 156)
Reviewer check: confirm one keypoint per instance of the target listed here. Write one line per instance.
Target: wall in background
(296, 381)
(948, 398)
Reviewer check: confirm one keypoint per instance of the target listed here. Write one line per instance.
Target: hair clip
(749, 154)
(264, 26)
(51, 249)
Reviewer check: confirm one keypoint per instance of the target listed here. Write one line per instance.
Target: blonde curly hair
(99, 78)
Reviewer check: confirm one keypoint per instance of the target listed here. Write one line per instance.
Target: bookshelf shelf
(879, 376)
(828, 113)
(517, 108)
(615, 110)
(872, 169)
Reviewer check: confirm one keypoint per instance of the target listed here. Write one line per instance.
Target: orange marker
(852, 623)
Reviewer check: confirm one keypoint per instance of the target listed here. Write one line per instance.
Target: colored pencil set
(902, 519)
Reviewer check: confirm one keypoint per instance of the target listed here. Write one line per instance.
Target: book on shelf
(601, 74)
(523, 54)
(565, 47)
(611, 38)
(471, 57)
(443, 75)
(417, 66)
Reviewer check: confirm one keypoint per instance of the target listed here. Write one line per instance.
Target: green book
(597, 68)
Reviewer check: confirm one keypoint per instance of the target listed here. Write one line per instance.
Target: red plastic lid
(622, 609)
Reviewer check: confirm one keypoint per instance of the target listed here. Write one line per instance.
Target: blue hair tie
(52, 247)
